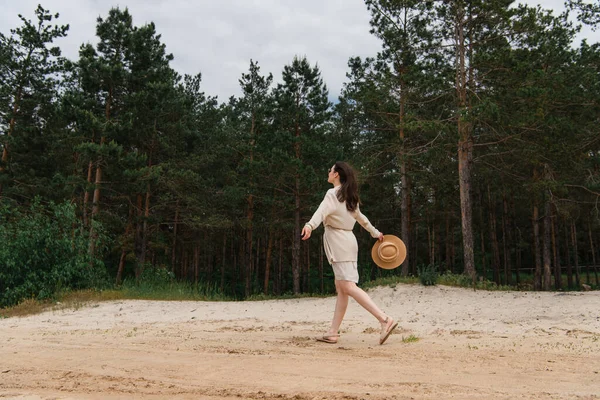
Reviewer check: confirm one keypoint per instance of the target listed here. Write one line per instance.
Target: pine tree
(303, 111)
(29, 70)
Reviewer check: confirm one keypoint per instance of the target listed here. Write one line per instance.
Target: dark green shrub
(156, 276)
(45, 250)
(428, 275)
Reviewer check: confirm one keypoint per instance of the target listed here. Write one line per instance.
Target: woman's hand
(306, 231)
(380, 238)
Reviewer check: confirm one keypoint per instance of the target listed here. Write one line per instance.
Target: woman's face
(332, 175)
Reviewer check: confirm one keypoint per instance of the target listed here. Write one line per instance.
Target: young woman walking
(338, 212)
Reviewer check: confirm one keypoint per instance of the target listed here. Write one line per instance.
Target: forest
(475, 132)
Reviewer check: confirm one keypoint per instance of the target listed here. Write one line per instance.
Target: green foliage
(451, 279)
(588, 13)
(156, 276)
(30, 72)
(410, 339)
(391, 281)
(45, 250)
(462, 280)
(428, 275)
(160, 284)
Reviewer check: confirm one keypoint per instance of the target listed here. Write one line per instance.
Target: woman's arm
(365, 223)
(325, 208)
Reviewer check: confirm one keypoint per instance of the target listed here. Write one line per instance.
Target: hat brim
(397, 261)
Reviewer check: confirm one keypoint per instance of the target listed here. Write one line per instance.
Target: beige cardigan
(339, 241)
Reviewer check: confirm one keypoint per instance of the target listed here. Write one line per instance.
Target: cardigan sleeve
(365, 223)
(326, 207)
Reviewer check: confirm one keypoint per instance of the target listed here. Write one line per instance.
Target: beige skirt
(345, 271)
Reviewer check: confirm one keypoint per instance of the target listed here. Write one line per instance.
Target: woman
(339, 211)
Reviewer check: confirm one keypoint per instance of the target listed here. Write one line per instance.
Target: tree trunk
(405, 182)
(465, 146)
(306, 278)
(568, 256)
(249, 246)
(547, 279)
(121, 267)
(518, 239)
(296, 235)
(296, 247)
(257, 263)
(96, 203)
(223, 262)
(482, 235)
(86, 195)
(234, 261)
(196, 263)
(415, 250)
(431, 242)
(142, 259)
(494, 238)
(593, 251)
(405, 214)
(175, 225)
(448, 243)
(250, 213)
(243, 266)
(96, 199)
(575, 254)
(438, 245)
(537, 279)
(507, 242)
(465, 206)
(588, 280)
(138, 234)
(280, 268)
(123, 251)
(182, 275)
(556, 255)
(268, 260)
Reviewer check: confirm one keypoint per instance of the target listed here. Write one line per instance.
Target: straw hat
(389, 253)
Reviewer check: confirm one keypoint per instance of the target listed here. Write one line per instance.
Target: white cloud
(218, 38)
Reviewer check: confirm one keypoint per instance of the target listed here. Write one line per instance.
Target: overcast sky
(219, 37)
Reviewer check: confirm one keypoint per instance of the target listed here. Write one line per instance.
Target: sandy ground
(472, 345)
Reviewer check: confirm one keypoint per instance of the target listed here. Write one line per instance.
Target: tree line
(474, 130)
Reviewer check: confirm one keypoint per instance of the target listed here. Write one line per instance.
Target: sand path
(472, 345)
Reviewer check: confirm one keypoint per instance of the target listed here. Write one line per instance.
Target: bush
(156, 276)
(451, 279)
(44, 251)
(428, 275)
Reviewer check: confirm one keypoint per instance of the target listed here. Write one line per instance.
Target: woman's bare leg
(341, 305)
(362, 298)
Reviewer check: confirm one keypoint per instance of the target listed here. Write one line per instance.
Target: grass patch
(171, 291)
(410, 339)
(74, 300)
(390, 281)
(460, 280)
(65, 300)
(285, 296)
(26, 307)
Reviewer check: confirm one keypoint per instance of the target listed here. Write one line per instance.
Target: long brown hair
(349, 191)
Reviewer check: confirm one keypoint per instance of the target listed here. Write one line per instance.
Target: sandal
(331, 339)
(387, 329)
